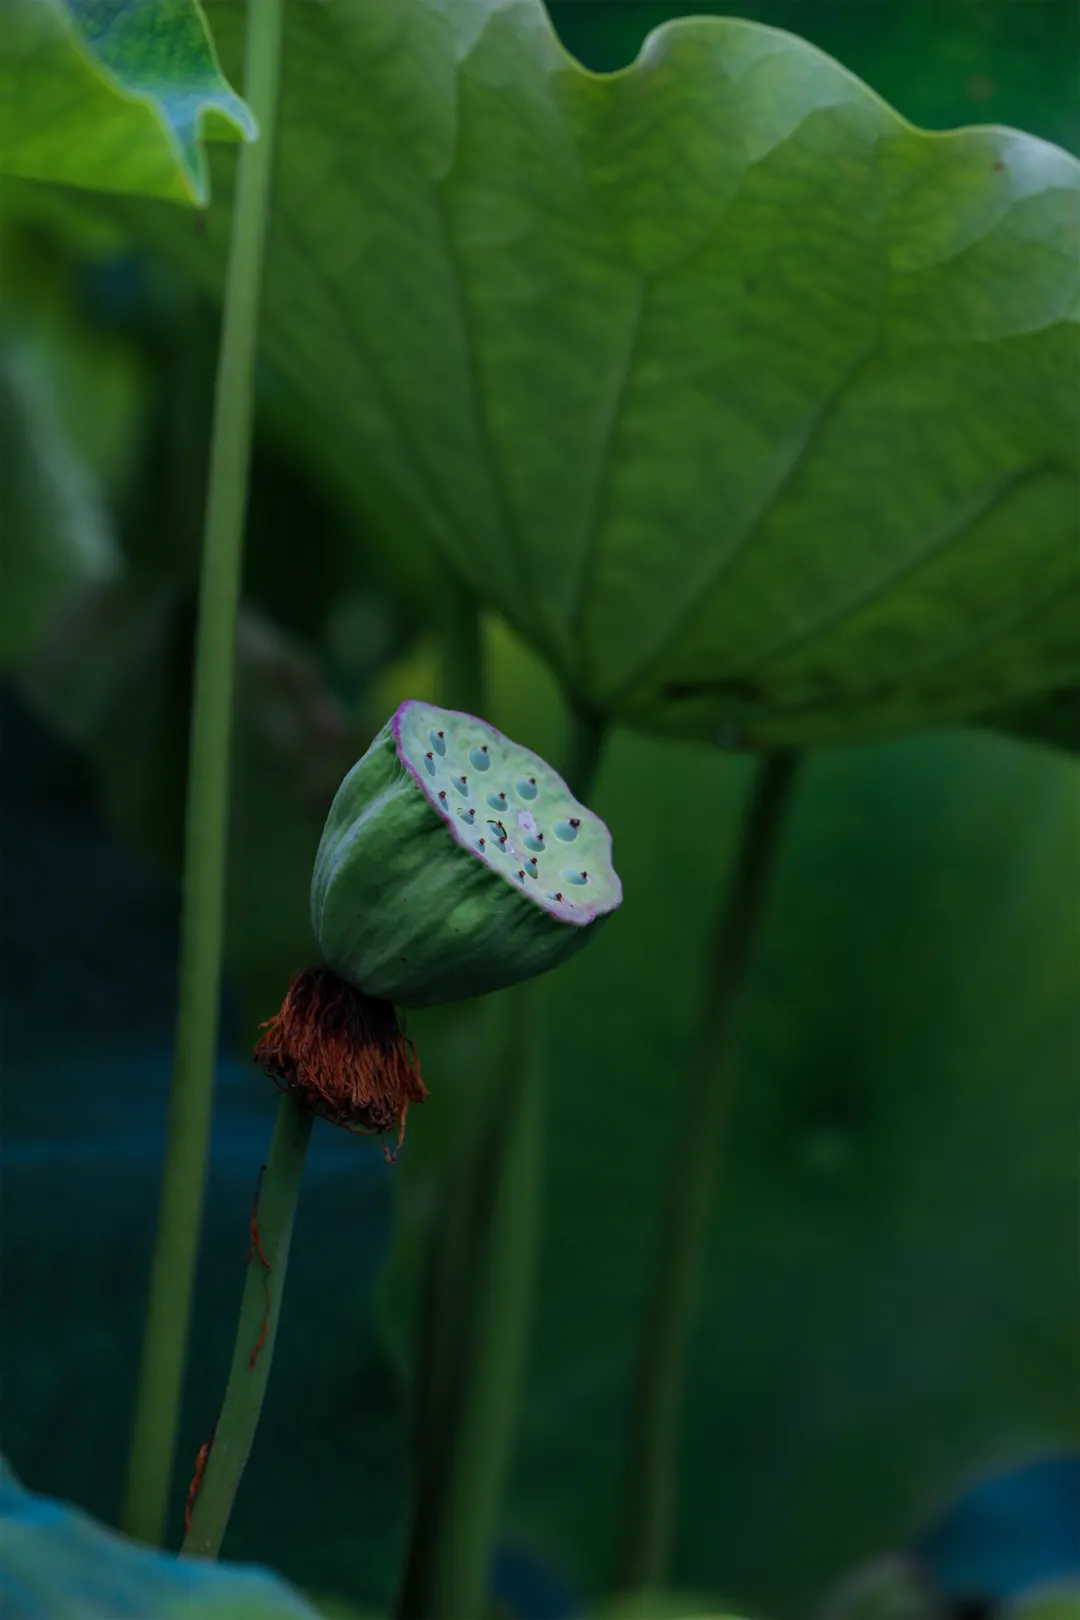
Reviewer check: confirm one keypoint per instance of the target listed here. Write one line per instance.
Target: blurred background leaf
(885, 1589)
(53, 524)
(662, 1606)
(113, 94)
(907, 1056)
(1052, 718)
(1058, 1602)
(114, 677)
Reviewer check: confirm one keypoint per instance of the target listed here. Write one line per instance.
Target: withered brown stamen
(343, 1053)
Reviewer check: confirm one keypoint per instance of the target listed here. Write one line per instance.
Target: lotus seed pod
(455, 862)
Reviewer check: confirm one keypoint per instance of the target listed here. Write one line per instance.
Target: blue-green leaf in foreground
(58, 1561)
(750, 405)
(112, 94)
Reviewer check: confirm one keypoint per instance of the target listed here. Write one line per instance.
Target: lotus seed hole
(567, 830)
(576, 877)
(527, 788)
(429, 762)
(438, 741)
(497, 801)
(535, 841)
(531, 868)
(480, 757)
(442, 798)
(499, 830)
(467, 816)
(462, 785)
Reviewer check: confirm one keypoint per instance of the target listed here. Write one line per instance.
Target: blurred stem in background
(586, 735)
(652, 1474)
(260, 1307)
(188, 1130)
(475, 1320)
(462, 672)
(480, 1275)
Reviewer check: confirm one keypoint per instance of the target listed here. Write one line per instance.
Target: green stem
(585, 739)
(709, 1086)
(479, 1302)
(478, 1299)
(256, 1330)
(187, 1138)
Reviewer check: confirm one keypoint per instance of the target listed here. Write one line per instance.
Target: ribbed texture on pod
(455, 862)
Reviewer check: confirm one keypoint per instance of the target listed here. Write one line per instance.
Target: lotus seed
(438, 741)
(497, 801)
(462, 785)
(535, 841)
(567, 830)
(468, 816)
(430, 763)
(576, 877)
(531, 868)
(480, 757)
(527, 788)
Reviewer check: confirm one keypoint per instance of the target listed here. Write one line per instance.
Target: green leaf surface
(889, 1305)
(940, 62)
(115, 95)
(748, 404)
(53, 531)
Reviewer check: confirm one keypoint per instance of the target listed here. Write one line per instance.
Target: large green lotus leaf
(889, 1299)
(750, 405)
(112, 94)
(940, 62)
(53, 529)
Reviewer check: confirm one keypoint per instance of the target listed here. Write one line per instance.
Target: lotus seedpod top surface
(511, 810)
